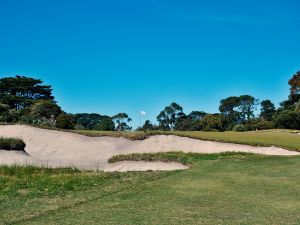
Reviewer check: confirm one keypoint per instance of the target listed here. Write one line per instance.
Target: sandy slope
(61, 149)
(125, 166)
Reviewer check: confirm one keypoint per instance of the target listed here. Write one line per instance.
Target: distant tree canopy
(170, 116)
(105, 124)
(45, 109)
(294, 83)
(65, 121)
(190, 121)
(288, 120)
(237, 110)
(121, 120)
(94, 121)
(267, 110)
(228, 108)
(211, 122)
(20, 92)
(147, 126)
(28, 100)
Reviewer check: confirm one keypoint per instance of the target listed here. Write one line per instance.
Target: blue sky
(126, 56)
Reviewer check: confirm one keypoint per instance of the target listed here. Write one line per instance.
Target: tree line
(27, 100)
(236, 113)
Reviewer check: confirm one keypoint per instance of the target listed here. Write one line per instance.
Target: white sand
(62, 149)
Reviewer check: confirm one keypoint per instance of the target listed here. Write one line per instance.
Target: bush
(65, 121)
(105, 124)
(255, 124)
(211, 122)
(43, 112)
(12, 144)
(240, 128)
(288, 120)
(263, 125)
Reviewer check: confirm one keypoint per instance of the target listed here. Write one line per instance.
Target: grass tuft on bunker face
(12, 144)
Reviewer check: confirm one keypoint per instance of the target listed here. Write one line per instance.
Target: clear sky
(126, 56)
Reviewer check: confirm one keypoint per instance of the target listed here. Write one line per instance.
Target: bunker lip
(54, 148)
(126, 166)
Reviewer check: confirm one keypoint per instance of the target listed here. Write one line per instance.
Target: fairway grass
(229, 189)
(279, 138)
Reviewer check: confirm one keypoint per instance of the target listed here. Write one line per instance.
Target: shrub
(64, 121)
(12, 144)
(211, 122)
(43, 112)
(240, 128)
(263, 125)
(288, 120)
(105, 124)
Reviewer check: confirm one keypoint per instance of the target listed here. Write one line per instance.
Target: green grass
(12, 144)
(279, 138)
(217, 189)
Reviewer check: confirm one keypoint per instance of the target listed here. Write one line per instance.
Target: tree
(294, 83)
(88, 120)
(3, 108)
(288, 120)
(267, 110)
(65, 121)
(196, 115)
(247, 105)
(228, 108)
(170, 116)
(121, 120)
(45, 110)
(20, 92)
(147, 126)
(237, 110)
(211, 122)
(190, 122)
(105, 124)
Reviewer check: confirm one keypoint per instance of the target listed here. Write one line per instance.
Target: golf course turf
(225, 189)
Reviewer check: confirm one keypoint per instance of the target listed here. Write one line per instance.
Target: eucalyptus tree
(170, 116)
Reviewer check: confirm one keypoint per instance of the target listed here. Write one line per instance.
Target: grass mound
(181, 157)
(12, 144)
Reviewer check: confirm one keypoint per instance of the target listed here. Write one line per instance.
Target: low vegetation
(136, 135)
(181, 157)
(217, 189)
(12, 144)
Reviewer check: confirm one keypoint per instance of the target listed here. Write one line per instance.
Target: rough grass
(136, 135)
(219, 189)
(12, 144)
(181, 157)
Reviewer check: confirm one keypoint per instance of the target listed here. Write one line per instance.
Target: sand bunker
(62, 149)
